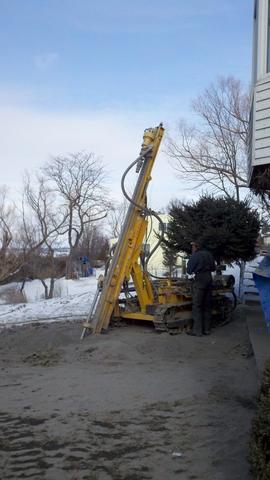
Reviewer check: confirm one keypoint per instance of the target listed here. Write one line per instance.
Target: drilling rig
(166, 302)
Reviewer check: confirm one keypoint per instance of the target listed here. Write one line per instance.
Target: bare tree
(214, 152)
(6, 219)
(11, 258)
(79, 178)
(21, 237)
(47, 220)
(116, 218)
(94, 244)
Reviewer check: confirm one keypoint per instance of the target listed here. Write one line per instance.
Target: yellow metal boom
(125, 259)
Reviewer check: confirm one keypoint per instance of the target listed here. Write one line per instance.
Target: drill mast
(125, 262)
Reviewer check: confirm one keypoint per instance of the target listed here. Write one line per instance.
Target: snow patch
(74, 302)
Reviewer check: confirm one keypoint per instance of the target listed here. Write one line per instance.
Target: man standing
(201, 263)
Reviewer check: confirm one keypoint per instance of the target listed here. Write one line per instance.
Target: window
(268, 38)
(255, 9)
(146, 249)
(255, 44)
(165, 226)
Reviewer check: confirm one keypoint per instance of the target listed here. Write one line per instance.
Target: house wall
(259, 141)
(261, 124)
(155, 264)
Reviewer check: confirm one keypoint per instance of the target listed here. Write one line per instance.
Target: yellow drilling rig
(166, 302)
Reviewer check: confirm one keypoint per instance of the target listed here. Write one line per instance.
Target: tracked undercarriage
(176, 317)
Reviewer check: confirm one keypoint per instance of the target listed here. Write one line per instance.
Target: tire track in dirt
(123, 445)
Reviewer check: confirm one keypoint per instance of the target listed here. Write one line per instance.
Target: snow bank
(74, 302)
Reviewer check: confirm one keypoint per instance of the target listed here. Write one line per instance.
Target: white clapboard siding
(262, 133)
(261, 124)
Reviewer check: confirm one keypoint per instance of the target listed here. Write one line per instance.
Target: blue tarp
(261, 278)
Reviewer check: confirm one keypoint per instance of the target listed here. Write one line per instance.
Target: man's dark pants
(202, 303)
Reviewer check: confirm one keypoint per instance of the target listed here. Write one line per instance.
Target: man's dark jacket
(201, 261)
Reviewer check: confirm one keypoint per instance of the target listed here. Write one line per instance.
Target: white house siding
(259, 142)
(155, 264)
(261, 125)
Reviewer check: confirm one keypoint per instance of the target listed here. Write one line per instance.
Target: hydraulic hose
(140, 159)
(145, 210)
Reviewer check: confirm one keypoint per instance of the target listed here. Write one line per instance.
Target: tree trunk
(242, 266)
(45, 288)
(22, 285)
(69, 267)
(52, 281)
(71, 272)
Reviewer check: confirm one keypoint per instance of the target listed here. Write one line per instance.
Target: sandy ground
(118, 406)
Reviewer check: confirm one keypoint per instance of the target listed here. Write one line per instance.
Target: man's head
(195, 246)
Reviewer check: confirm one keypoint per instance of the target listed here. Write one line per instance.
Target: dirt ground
(127, 405)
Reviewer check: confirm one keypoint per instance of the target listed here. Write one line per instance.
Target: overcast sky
(92, 75)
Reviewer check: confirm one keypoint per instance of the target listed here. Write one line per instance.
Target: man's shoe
(194, 334)
(207, 332)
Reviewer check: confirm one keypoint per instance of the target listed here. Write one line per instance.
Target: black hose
(141, 158)
(144, 210)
